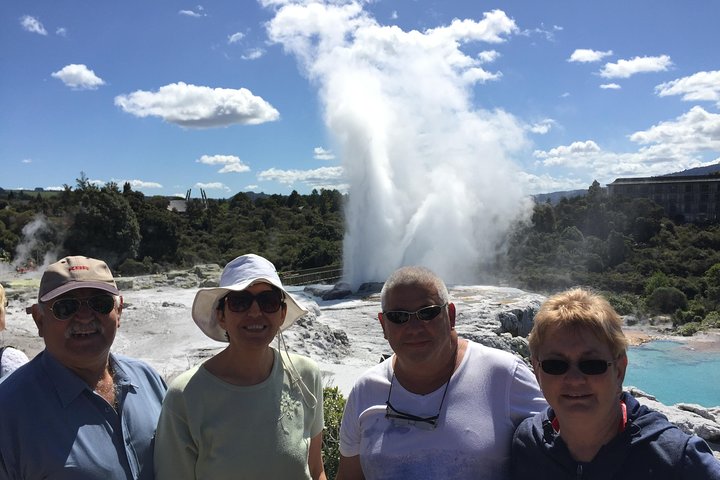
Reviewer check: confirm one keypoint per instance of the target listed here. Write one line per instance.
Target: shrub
(624, 303)
(666, 300)
(689, 329)
(333, 407)
(712, 320)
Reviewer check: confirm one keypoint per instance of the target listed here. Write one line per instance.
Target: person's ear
(536, 369)
(38, 317)
(621, 367)
(220, 316)
(451, 314)
(382, 324)
(119, 309)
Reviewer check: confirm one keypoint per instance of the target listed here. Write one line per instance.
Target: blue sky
(276, 95)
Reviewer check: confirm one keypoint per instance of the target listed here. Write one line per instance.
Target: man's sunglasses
(65, 308)
(269, 301)
(425, 314)
(400, 419)
(587, 367)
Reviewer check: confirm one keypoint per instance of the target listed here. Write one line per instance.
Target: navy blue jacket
(649, 448)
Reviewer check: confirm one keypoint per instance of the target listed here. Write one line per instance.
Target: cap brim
(77, 285)
(204, 309)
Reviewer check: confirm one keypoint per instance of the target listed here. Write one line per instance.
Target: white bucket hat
(237, 275)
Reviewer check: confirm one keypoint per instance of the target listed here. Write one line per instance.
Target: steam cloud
(431, 177)
(30, 248)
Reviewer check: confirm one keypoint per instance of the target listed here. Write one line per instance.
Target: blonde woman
(10, 358)
(592, 429)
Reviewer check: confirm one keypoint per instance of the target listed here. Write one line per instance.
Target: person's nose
(574, 374)
(254, 310)
(85, 313)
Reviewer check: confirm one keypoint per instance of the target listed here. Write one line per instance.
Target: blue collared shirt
(54, 426)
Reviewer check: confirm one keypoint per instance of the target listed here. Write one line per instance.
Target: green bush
(712, 320)
(689, 329)
(666, 300)
(333, 407)
(624, 303)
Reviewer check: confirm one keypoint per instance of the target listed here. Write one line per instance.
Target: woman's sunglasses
(587, 367)
(425, 314)
(65, 308)
(269, 301)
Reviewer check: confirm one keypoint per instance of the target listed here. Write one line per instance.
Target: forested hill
(627, 248)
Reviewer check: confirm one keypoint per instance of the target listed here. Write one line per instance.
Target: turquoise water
(674, 373)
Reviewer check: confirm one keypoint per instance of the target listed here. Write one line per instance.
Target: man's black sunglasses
(65, 308)
(269, 301)
(400, 418)
(425, 314)
(587, 367)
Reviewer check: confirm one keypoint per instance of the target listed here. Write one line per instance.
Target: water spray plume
(431, 177)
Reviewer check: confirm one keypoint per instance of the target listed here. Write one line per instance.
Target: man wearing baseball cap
(76, 410)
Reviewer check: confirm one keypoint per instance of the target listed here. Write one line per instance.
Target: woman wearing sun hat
(251, 411)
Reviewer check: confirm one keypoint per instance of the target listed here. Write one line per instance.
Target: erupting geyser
(430, 174)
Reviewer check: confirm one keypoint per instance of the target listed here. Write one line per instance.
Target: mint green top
(210, 429)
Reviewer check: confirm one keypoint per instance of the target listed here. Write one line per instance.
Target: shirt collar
(69, 386)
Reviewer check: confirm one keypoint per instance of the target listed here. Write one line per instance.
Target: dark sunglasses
(425, 314)
(400, 418)
(65, 308)
(587, 367)
(269, 301)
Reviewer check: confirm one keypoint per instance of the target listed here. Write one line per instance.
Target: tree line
(627, 248)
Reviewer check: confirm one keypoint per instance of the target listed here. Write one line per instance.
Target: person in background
(251, 411)
(76, 410)
(441, 407)
(10, 358)
(592, 429)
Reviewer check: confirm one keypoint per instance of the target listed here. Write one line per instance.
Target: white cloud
(251, 187)
(32, 25)
(315, 178)
(565, 95)
(567, 155)
(26, 160)
(543, 126)
(230, 163)
(194, 106)
(690, 140)
(137, 184)
(584, 55)
(610, 86)
(78, 77)
(488, 56)
(394, 15)
(235, 37)
(253, 54)
(61, 31)
(321, 154)
(702, 86)
(627, 68)
(197, 13)
(693, 131)
(545, 183)
(212, 186)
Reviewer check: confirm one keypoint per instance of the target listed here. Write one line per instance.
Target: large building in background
(689, 198)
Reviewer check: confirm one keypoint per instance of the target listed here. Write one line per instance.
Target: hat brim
(77, 285)
(204, 309)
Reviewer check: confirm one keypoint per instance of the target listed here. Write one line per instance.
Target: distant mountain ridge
(706, 170)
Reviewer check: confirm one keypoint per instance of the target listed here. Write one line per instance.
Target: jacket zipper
(579, 472)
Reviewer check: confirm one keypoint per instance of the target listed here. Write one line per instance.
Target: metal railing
(325, 275)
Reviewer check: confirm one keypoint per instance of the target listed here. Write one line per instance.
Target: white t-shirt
(10, 360)
(488, 396)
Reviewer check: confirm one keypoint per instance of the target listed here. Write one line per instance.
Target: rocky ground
(342, 335)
